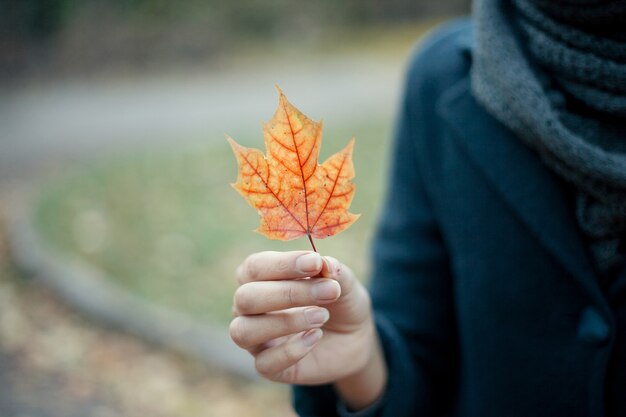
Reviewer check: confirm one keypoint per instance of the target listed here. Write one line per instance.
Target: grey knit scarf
(554, 72)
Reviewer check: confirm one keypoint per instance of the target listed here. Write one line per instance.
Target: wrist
(362, 388)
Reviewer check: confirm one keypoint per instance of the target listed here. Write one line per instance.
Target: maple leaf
(294, 195)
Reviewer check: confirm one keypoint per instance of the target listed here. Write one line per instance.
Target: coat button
(593, 328)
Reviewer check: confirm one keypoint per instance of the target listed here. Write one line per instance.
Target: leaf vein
(330, 195)
(272, 191)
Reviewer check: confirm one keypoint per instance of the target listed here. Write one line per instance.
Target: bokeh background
(112, 123)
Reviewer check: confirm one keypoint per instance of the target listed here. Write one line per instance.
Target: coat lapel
(531, 190)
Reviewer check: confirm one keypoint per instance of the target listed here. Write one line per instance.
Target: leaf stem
(311, 240)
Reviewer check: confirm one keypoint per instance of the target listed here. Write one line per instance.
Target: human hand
(305, 318)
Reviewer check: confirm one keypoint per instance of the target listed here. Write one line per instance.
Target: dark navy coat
(485, 296)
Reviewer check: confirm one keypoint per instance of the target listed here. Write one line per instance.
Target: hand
(307, 320)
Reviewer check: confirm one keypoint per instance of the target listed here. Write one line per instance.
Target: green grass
(166, 225)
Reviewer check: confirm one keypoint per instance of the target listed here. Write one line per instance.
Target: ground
(54, 363)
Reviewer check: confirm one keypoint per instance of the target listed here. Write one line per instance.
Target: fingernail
(316, 316)
(327, 289)
(334, 267)
(311, 262)
(311, 337)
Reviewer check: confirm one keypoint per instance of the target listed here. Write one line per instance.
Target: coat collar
(532, 191)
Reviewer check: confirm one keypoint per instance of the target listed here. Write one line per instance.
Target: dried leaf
(294, 195)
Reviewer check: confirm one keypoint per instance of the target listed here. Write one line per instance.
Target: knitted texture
(554, 72)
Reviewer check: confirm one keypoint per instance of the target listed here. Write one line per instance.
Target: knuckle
(283, 265)
(290, 294)
(286, 322)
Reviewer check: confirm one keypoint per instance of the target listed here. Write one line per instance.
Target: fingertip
(316, 316)
(240, 274)
(326, 290)
(311, 337)
(309, 263)
(332, 268)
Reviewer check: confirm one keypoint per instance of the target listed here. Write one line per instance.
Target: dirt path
(41, 126)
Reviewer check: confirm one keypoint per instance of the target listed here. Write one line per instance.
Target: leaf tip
(233, 144)
(349, 147)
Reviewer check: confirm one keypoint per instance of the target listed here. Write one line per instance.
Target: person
(499, 282)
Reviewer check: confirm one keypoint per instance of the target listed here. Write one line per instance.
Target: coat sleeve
(411, 285)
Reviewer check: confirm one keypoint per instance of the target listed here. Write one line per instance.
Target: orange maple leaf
(294, 195)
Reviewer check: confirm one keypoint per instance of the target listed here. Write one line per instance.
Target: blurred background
(112, 153)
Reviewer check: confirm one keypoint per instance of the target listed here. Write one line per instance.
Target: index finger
(270, 265)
